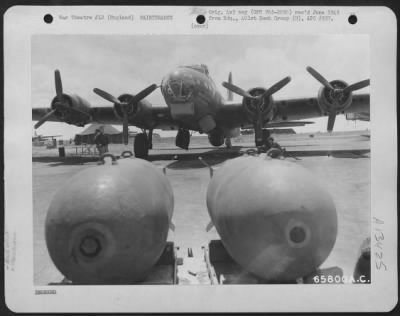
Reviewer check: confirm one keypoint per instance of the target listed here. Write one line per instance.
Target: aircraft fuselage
(191, 95)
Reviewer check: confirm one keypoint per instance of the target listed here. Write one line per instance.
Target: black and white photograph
(209, 160)
(284, 124)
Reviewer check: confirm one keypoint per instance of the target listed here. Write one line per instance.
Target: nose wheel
(182, 138)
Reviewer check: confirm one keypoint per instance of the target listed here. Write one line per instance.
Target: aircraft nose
(177, 87)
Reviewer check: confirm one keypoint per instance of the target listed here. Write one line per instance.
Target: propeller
(58, 83)
(319, 77)
(277, 86)
(45, 118)
(60, 100)
(357, 86)
(106, 96)
(273, 89)
(331, 118)
(258, 121)
(237, 90)
(125, 105)
(336, 94)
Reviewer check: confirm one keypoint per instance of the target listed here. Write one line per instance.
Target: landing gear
(264, 140)
(228, 142)
(150, 138)
(141, 146)
(182, 139)
(266, 135)
(143, 142)
(216, 137)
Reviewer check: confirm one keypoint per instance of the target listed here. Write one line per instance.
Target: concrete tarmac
(340, 162)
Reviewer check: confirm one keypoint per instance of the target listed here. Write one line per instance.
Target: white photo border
(22, 22)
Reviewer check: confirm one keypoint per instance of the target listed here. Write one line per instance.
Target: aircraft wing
(278, 124)
(290, 111)
(361, 116)
(305, 108)
(158, 117)
(97, 114)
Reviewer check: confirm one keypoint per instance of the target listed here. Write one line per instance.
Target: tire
(266, 135)
(141, 146)
(182, 139)
(228, 143)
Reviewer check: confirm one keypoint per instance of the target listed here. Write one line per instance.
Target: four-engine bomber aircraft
(194, 104)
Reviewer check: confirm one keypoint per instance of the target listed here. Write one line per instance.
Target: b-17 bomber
(194, 103)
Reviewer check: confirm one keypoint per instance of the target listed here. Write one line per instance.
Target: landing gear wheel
(141, 146)
(150, 139)
(228, 143)
(266, 135)
(183, 138)
(264, 143)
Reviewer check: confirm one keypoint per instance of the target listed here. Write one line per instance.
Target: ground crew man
(101, 141)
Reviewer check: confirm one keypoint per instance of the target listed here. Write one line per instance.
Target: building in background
(87, 136)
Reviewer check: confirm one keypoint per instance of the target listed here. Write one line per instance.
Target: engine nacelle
(266, 105)
(76, 110)
(326, 97)
(139, 111)
(216, 137)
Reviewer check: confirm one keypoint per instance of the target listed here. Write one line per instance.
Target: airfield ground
(340, 161)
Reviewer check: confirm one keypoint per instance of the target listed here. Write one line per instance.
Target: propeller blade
(277, 86)
(357, 86)
(125, 128)
(319, 77)
(106, 95)
(331, 118)
(237, 90)
(58, 83)
(44, 118)
(258, 133)
(144, 93)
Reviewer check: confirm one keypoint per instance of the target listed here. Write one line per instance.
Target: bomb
(273, 217)
(109, 224)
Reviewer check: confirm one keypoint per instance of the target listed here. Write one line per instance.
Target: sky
(127, 64)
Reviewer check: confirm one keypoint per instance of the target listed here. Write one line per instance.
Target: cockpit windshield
(178, 90)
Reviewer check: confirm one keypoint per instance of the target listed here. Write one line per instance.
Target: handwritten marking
(379, 238)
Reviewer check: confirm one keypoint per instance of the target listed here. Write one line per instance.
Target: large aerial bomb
(273, 217)
(109, 224)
